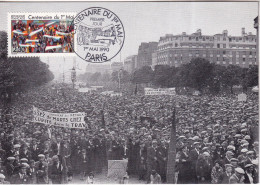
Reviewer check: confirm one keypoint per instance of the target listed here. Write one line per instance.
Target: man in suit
(203, 168)
(2, 179)
(21, 177)
(24, 152)
(10, 167)
(194, 154)
(55, 170)
(237, 177)
(227, 174)
(162, 159)
(35, 151)
(41, 168)
(57, 146)
(151, 159)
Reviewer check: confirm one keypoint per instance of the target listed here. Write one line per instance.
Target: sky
(148, 21)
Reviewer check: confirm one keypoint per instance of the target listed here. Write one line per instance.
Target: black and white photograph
(129, 92)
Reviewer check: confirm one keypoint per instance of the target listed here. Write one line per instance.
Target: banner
(69, 120)
(159, 91)
(116, 168)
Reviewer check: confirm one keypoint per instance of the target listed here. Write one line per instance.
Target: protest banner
(116, 168)
(160, 91)
(242, 97)
(83, 90)
(69, 120)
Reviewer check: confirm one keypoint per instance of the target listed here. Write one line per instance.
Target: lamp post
(73, 76)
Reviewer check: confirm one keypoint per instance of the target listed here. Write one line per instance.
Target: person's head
(217, 164)
(228, 168)
(23, 169)
(41, 157)
(234, 162)
(206, 155)
(2, 178)
(229, 154)
(32, 163)
(154, 143)
(153, 172)
(55, 159)
(249, 168)
(239, 172)
(196, 145)
(58, 138)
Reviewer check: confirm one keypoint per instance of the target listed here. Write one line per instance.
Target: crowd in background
(217, 137)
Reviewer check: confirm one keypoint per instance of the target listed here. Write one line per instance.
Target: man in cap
(56, 170)
(21, 177)
(203, 168)
(228, 157)
(41, 168)
(10, 167)
(2, 179)
(194, 154)
(151, 159)
(237, 177)
(2, 168)
(227, 174)
(249, 175)
(250, 157)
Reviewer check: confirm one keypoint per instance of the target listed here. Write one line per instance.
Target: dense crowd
(217, 137)
(46, 35)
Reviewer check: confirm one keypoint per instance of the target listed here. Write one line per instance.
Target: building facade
(116, 66)
(144, 57)
(130, 63)
(223, 49)
(102, 68)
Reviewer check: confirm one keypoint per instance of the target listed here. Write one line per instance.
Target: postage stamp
(100, 34)
(40, 34)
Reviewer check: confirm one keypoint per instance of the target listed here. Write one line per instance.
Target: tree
(19, 74)
(142, 75)
(251, 77)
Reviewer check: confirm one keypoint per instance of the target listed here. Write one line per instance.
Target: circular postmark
(99, 34)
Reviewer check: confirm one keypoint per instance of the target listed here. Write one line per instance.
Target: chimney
(199, 32)
(243, 31)
(225, 33)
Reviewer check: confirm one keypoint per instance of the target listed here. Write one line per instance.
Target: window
(224, 38)
(224, 52)
(224, 45)
(230, 40)
(218, 45)
(176, 45)
(244, 59)
(250, 53)
(189, 38)
(203, 38)
(197, 38)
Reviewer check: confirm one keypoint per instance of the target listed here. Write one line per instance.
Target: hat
(237, 135)
(206, 154)
(195, 143)
(250, 152)
(245, 144)
(2, 176)
(229, 152)
(231, 147)
(244, 150)
(256, 143)
(24, 160)
(17, 146)
(249, 165)
(247, 137)
(228, 165)
(255, 162)
(41, 155)
(234, 160)
(195, 137)
(23, 165)
(10, 158)
(205, 148)
(244, 130)
(240, 170)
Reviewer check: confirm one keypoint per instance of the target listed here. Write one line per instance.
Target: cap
(23, 165)
(247, 137)
(231, 147)
(228, 165)
(2, 176)
(195, 143)
(17, 146)
(255, 162)
(41, 155)
(244, 150)
(206, 154)
(10, 158)
(249, 165)
(24, 160)
(250, 152)
(229, 152)
(240, 170)
(234, 160)
(238, 135)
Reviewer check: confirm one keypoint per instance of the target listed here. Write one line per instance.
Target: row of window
(176, 45)
(211, 38)
(217, 62)
(217, 58)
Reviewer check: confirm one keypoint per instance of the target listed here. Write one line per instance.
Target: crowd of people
(46, 34)
(217, 137)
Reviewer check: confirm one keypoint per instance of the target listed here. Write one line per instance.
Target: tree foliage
(18, 74)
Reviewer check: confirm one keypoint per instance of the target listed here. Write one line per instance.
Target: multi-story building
(154, 59)
(116, 66)
(144, 57)
(102, 68)
(257, 45)
(222, 49)
(130, 63)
